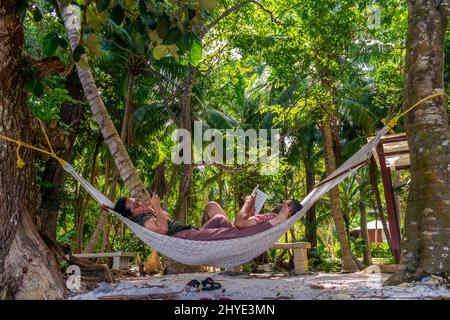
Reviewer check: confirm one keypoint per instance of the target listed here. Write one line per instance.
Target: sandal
(193, 283)
(210, 285)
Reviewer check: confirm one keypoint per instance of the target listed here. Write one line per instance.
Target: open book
(261, 198)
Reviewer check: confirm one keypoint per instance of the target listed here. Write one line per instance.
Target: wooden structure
(392, 153)
(300, 254)
(121, 260)
(375, 232)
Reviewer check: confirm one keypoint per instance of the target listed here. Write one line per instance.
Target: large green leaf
(117, 14)
(195, 50)
(35, 13)
(50, 43)
(79, 50)
(159, 51)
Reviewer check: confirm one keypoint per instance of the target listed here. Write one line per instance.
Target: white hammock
(233, 252)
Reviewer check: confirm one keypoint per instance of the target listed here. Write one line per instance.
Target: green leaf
(92, 42)
(207, 4)
(35, 13)
(102, 5)
(117, 14)
(195, 51)
(79, 50)
(129, 4)
(139, 42)
(21, 8)
(50, 43)
(159, 51)
(63, 43)
(173, 51)
(172, 36)
(35, 87)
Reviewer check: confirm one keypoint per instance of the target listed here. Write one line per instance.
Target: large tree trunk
(185, 181)
(48, 213)
(124, 134)
(427, 222)
(28, 270)
(109, 132)
(348, 265)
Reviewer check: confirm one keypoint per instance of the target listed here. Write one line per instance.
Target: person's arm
(159, 224)
(152, 210)
(245, 216)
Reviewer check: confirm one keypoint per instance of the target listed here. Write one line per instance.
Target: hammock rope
(231, 252)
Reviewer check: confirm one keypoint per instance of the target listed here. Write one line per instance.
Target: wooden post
(394, 226)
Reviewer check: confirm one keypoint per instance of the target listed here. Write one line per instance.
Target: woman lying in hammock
(216, 225)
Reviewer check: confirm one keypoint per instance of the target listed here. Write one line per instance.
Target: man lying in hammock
(216, 225)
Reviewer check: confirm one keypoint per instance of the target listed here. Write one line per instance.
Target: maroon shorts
(220, 228)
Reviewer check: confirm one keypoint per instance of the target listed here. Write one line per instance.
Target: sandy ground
(313, 286)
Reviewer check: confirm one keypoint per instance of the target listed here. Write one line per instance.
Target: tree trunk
(124, 134)
(48, 213)
(427, 220)
(376, 191)
(367, 256)
(109, 132)
(173, 175)
(310, 221)
(159, 180)
(185, 181)
(28, 270)
(348, 265)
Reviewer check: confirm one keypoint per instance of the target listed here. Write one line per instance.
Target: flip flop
(209, 285)
(193, 283)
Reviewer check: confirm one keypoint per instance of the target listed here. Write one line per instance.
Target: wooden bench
(121, 260)
(300, 254)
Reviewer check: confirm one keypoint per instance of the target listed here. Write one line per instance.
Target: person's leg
(217, 221)
(212, 209)
(206, 234)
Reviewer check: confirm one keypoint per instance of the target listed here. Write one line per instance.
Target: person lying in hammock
(216, 225)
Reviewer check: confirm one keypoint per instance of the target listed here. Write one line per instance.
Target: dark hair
(122, 208)
(294, 204)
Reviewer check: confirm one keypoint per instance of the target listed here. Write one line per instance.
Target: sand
(240, 286)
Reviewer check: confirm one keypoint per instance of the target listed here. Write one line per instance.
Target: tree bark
(109, 132)
(427, 222)
(348, 265)
(185, 181)
(367, 256)
(28, 270)
(124, 135)
(53, 173)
